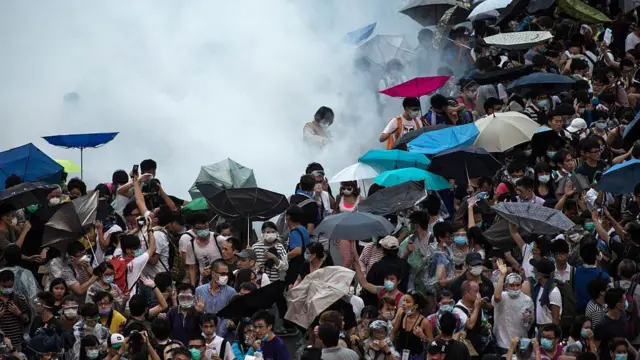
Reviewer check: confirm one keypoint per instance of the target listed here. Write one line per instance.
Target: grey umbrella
(353, 226)
(429, 12)
(393, 199)
(533, 218)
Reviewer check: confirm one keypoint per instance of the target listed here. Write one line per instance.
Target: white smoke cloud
(189, 83)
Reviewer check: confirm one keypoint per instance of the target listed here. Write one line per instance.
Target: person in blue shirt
(436, 114)
(245, 343)
(585, 273)
(217, 294)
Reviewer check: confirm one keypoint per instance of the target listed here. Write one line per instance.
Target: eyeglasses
(209, 326)
(222, 273)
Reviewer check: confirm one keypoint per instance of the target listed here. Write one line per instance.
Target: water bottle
(258, 355)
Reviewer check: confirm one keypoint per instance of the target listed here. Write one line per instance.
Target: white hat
(389, 242)
(116, 340)
(577, 125)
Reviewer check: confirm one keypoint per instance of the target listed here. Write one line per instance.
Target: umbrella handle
(465, 46)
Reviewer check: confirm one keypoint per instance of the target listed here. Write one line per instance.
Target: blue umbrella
(30, 163)
(621, 178)
(80, 141)
(394, 159)
(394, 177)
(549, 82)
(359, 36)
(444, 139)
(631, 133)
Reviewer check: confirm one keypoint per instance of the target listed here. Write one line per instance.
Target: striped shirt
(74, 275)
(595, 312)
(12, 325)
(371, 254)
(274, 273)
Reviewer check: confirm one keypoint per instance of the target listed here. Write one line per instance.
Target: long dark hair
(242, 276)
(87, 340)
(240, 335)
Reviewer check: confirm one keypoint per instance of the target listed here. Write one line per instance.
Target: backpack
(281, 224)
(295, 263)
(120, 265)
(192, 240)
(480, 336)
(175, 267)
(569, 306)
(633, 320)
(398, 133)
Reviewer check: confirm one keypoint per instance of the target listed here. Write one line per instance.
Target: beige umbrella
(502, 131)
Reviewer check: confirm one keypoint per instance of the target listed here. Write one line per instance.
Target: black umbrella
(462, 164)
(401, 144)
(25, 194)
(515, 8)
(429, 12)
(539, 5)
(502, 75)
(249, 304)
(393, 199)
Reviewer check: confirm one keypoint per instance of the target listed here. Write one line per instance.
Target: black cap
(543, 266)
(436, 347)
(473, 259)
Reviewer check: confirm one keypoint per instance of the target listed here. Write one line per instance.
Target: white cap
(577, 125)
(389, 242)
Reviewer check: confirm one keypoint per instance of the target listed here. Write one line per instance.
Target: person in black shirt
(44, 303)
(590, 150)
(474, 267)
(311, 214)
(455, 350)
(613, 324)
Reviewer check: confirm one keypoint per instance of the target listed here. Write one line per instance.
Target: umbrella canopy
(394, 177)
(631, 133)
(30, 163)
(69, 166)
(359, 36)
(434, 142)
(621, 178)
(381, 49)
(488, 6)
(353, 226)
(226, 174)
(498, 234)
(514, 8)
(533, 218)
(25, 194)
(539, 5)
(249, 304)
(355, 172)
(199, 204)
(428, 12)
(401, 144)
(454, 15)
(477, 163)
(583, 12)
(316, 292)
(417, 87)
(518, 40)
(394, 159)
(553, 83)
(71, 220)
(251, 203)
(393, 199)
(502, 131)
(80, 141)
(502, 75)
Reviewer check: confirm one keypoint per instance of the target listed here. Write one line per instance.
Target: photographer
(139, 346)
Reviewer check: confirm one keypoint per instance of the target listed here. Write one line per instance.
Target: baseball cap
(577, 125)
(115, 340)
(389, 242)
(247, 254)
(473, 259)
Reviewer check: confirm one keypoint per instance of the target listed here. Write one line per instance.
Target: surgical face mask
(514, 294)
(347, 191)
(584, 333)
(476, 270)
(108, 279)
(460, 240)
(104, 312)
(414, 114)
(543, 104)
(446, 308)
(93, 354)
(54, 201)
(551, 154)
(546, 343)
(409, 311)
(544, 178)
(14, 221)
(203, 234)
(388, 315)
(195, 354)
(139, 252)
(589, 226)
(601, 126)
(388, 285)
(270, 237)
(324, 124)
(222, 280)
(186, 304)
(6, 291)
(528, 152)
(621, 356)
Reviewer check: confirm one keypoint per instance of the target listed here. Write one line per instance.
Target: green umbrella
(583, 12)
(199, 204)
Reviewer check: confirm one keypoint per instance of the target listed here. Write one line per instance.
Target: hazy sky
(189, 83)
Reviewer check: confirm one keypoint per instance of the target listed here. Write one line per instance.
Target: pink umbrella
(417, 87)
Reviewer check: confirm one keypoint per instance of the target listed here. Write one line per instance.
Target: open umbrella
(69, 166)
(488, 6)
(359, 36)
(199, 204)
(355, 172)
(428, 12)
(539, 5)
(583, 12)
(80, 141)
(393, 199)
(401, 144)
(381, 49)
(518, 40)
(394, 177)
(316, 292)
(551, 83)
(450, 17)
(502, 131)
(417, 87)
(226, 174)
(434, 142)
(25, 194)
(502, 75)
(464, 163)
(620, 178)
(71, 221)
(353, 226)
(533, 218)
(631, 133)
(30, 163)
(394, 159)
(515, 8)
(249, 304)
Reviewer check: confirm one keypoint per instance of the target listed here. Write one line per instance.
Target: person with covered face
(379, 345)
(316, 133)
(400, 125)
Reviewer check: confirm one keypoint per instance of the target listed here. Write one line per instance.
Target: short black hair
(101, 295)
(47, 298)
(448, 323)
(525, 183)
(264, 315)
(613, 296)
(166, 216)
(439, 101)
(76, 183)
(325, 113)
(307, 183)
(421, 218)
(129, 242)
(185, 287)
(119, 177)
(138, 305)
(441, 229)
(74, 248)
(222, 227)
(490, 102)
(557, 331)
(12, 180)
(161, 328)
(329, 334)
(410, 102)
(627, 62)
(148, 164)
(317, 249)
(294, 212)
(515, 166)
(484, 63)
(7, 275)
(248, 286)
(235, 243)
(198, 218)
(102, 267)
(129, 208)
(208, 317)
(89, 310)
(578, 65)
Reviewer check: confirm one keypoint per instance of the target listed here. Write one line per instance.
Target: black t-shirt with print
(589, 171)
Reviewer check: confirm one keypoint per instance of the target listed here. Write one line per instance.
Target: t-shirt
(595, 312)
(296, 240)
(216, 347)
(407, 125)
(162, 250)
(310, 211)
(456, 350)
(275, 349)
(543, 313)
(205, 254)
(631, 41)
(581, 278)
(606, 330)
(589, 171)
(134, 270)
(505, 313)
(117, 322)
(527, 255)
(339, 353)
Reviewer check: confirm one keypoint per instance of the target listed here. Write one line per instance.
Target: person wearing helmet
(315, 133)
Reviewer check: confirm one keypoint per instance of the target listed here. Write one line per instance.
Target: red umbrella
(417, 87)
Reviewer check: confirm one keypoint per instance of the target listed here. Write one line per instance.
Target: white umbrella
(355, 172)
(502, 131)
(518, 40)
(488, 6)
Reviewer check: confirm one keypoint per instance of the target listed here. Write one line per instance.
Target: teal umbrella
(394, 177)
(394, 159)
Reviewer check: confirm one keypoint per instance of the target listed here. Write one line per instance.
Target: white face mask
(347, 192)
(14, 221)
(54, 201)
(476, 270)
(414, 114)
(70, 313)
(270, 237)
(222, 280)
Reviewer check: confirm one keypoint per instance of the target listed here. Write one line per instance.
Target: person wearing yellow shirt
(109, 317)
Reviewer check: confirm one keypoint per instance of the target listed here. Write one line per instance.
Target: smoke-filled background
(190, 83)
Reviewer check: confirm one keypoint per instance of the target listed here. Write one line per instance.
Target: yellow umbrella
(69, 166)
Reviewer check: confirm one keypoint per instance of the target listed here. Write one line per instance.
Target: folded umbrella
(401, 144)
(394, 159)
(518, 40)
(417, 87)
(353, 226)
(620, 178)
(464, 163)
(444, 139)
(393, 199)
(502, 131)
(533, 218)
(394, 177)
(428, 12)
(355, 172)
(550, 83)
(488, 6)
(583, 12)
(249, 304)
(502, 75)
(316, 292)
(25, 194)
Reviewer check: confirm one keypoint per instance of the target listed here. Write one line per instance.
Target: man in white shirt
(200, 249)
(400, 125)
(524, 189)
(548, 303)
(632, 39)
(560, 250)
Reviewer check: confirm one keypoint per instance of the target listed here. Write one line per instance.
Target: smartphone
(606, 39)
(134, 171)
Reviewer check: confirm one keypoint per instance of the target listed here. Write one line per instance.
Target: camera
(136, 342)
